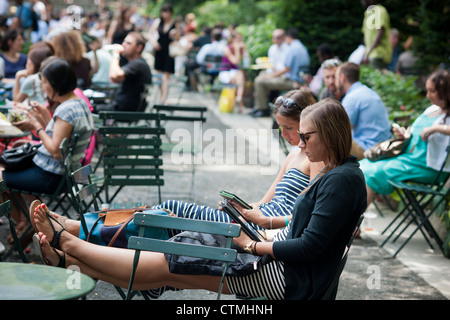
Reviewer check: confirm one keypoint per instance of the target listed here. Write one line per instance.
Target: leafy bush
(399, 93)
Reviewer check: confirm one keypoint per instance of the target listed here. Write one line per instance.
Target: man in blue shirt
(366, 110)
(296, 60)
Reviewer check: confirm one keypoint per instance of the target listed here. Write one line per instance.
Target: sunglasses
(287, 102)
(331, 63)
(305, 136)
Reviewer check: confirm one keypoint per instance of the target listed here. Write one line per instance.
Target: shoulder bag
(19, 158)
(388, 149)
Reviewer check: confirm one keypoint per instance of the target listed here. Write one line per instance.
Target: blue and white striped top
(288, 189)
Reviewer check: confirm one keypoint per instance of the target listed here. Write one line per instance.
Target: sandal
(38, 248)
(56, 234)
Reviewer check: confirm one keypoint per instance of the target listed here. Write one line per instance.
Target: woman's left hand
(426, 132)
(243, 240)
(254, 215)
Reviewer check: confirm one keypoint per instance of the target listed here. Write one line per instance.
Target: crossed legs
(114, 265)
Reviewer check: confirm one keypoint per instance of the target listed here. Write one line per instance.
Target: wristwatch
(249, 247)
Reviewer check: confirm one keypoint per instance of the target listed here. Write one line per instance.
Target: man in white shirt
(277, 51)
(215, 48)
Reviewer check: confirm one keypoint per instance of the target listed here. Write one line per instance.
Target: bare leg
(114, 265)
(165, 87)
(370, 195)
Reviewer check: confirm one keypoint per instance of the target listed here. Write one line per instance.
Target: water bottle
(246, 60)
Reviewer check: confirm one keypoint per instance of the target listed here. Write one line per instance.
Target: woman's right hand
(398, 131)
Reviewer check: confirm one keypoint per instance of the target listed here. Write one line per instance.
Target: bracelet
(38, 130)
(271, 218)
(286, 220)
(254, 248)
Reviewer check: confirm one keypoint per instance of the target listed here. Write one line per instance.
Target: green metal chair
(5, 210)
(331, 291)
(139, 243)
(131, 155)
(417, 199)
(194, 116)
(85, 193)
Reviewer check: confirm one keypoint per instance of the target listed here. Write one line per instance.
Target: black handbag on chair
(19, 158)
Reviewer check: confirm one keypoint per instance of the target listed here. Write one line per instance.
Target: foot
(48, 225)
(31, 211)
(49, 255)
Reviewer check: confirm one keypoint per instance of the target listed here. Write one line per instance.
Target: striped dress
(290, 186)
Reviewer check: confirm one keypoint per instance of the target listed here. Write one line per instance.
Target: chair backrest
(224, 254)
(132, 155)
(331, 291)
(79, 145)
(179, 113)
(5, 208)
(212, 64)
(85, 192)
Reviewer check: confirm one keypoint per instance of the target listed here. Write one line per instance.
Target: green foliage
(337, 22)
(399, 93)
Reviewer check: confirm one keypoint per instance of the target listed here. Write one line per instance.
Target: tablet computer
(232, 197)
(252, 232)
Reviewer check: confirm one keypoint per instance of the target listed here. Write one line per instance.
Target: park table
(22, 281)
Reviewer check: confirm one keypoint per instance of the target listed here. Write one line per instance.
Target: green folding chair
(140, 243)
(420, 202)
(131, 155)
(194, 116)
(5, 210)
(332, 288)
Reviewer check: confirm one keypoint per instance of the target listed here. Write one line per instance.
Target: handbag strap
(124, 224)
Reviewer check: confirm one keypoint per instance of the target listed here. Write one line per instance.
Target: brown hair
(302, 97)
(40, 51)
(329, 118)
(350, 70)
(441, 80)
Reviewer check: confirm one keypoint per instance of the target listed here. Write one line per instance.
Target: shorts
(227, 75)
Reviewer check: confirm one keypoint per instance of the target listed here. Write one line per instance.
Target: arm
(440, 128)
(375, 43)
(325, 215)
(17, 94)
(152, 32)
(116, 74)
(61, 130)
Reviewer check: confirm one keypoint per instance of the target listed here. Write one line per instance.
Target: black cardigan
(323, 221)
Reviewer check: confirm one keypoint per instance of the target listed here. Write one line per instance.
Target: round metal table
(22, 281)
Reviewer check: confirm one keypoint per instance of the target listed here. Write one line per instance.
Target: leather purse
(388, 149)
(19, 158)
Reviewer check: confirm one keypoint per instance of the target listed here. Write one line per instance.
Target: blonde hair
(69, 45)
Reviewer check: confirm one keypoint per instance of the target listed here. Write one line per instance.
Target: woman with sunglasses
(304, 256)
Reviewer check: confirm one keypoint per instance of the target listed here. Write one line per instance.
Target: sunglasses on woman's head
(287, 102)
(305, 136)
